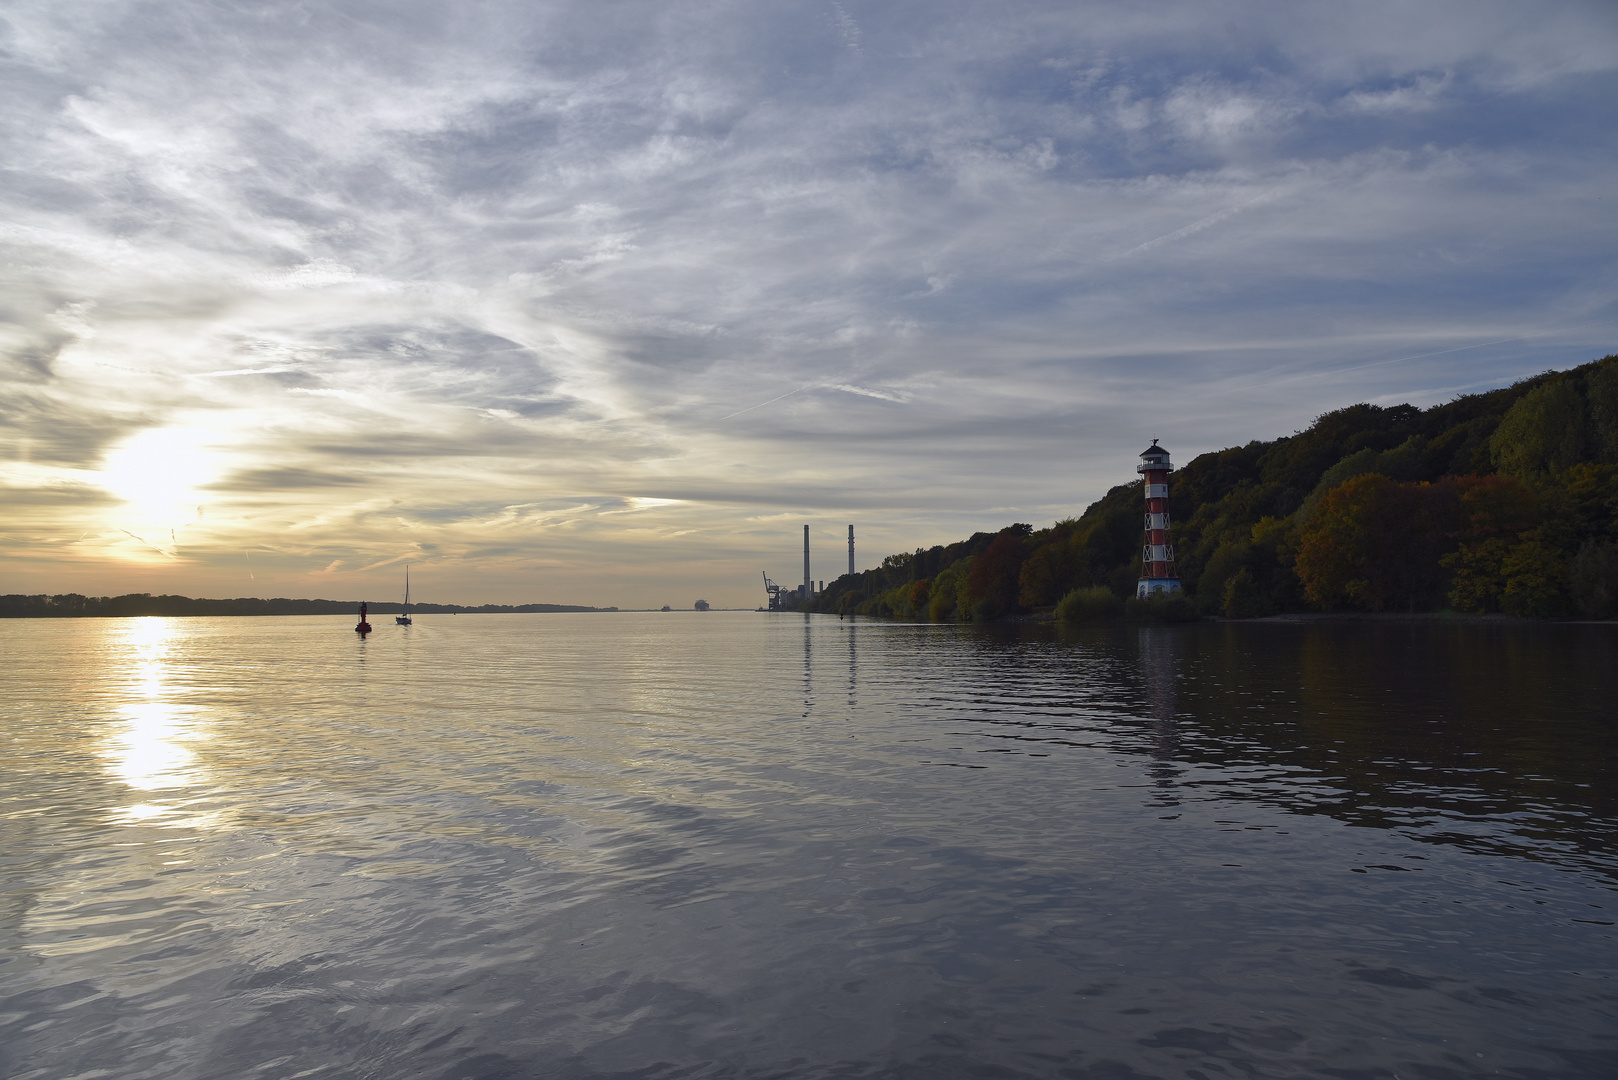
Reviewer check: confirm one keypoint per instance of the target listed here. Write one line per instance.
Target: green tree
(1049, 572)
(1494, 513)
(1592, 491)
(1244, 599)
(945, 596)
(1542, 434)
(1228, 559)
(1594, 580)
(1602, 391)
(1536, 574)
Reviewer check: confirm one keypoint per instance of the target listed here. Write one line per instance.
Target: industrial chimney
(851, 549)
(808, 585)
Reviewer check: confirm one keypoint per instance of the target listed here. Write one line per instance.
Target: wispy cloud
(847, 27)
(563, 304)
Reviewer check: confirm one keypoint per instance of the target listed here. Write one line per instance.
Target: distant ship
(404, 620)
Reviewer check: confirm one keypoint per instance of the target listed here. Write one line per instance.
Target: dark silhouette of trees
(1505, 501)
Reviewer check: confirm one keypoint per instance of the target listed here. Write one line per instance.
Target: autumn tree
(992, 582)
(1376, 543)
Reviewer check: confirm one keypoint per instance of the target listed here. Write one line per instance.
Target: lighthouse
(1157, 573)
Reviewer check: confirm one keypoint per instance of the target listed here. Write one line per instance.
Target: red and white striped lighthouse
(1157, 573)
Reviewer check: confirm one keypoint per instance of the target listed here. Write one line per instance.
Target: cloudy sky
(601, 301)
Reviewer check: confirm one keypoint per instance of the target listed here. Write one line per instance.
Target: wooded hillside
(1502, 501)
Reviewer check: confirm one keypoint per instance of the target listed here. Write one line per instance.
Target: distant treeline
(68, 605)
(1505, 501)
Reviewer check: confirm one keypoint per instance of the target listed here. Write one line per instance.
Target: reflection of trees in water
(1443, 728)
(1494, 738)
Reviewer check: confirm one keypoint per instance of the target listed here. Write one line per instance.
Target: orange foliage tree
(993, 580)
(1375, 543)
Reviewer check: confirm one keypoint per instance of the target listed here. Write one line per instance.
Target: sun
(158, 471)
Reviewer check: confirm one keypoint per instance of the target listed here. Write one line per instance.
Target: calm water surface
(742, 845)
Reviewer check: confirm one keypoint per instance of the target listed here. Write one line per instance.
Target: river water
(747, 845)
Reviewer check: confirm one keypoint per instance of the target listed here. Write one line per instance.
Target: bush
(1172, 607)
(1244, 599)
(1595, 580)
(1092, 604)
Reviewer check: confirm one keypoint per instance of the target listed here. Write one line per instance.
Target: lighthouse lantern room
(1157, 573)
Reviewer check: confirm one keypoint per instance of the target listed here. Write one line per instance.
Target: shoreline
(1319, 617)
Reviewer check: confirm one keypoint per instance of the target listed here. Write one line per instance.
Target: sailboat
(404, 620)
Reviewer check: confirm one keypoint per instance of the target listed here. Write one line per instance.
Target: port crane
(773, 591)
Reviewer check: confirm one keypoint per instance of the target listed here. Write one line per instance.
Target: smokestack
(808, 585)
(851, 549)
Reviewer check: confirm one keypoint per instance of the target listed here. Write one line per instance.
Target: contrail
(1244, 383)
(147, 543)
(1440, 352)
(1462, 348)
(772, 401)
(1197, 226)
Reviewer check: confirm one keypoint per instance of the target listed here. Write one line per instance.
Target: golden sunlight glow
(149, 749)
(158, 471)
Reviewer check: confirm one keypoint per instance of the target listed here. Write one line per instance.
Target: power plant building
(780, 597)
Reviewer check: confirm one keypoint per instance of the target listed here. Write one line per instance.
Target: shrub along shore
(1500, 502)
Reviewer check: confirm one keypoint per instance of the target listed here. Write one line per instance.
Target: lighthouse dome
(1153, 457)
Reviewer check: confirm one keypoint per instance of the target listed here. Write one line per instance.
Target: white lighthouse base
(1156, 586)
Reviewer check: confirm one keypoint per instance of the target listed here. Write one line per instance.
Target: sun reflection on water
(150, 747)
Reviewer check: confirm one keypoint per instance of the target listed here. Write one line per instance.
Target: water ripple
(745, 845)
